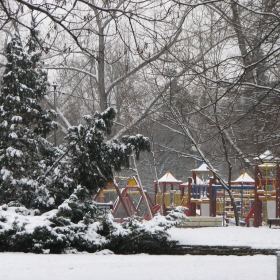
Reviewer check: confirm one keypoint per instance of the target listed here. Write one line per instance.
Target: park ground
(105, 265)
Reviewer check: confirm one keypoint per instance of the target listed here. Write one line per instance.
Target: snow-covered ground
(137, 267)
(109, 266)
(262, 237)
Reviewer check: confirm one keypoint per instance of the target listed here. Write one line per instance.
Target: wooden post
(163, 203)
(212, 198)
(277, 191)
(182, 189)
(258, 203)
(190, 204)
(156, 191)
(194, 177)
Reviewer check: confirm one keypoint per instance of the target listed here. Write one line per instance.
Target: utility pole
(54, 106)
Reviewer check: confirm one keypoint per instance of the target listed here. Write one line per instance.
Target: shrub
(137, 238)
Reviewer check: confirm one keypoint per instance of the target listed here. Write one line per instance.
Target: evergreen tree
(93, 157)
(23, 123)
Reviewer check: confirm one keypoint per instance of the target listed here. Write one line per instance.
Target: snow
(244, 178)
(13, 135)
(136, 267)
(10, 151)
(168, 178)
(267, 156)
(18, 214)
(16, 119)
(202, 168)
(106, 266)
(4, 123)
(5, 174)
(262, 237)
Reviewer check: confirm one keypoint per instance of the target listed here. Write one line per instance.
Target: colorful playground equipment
(130, 199)
(257, 200)
(167, 192)
(267, 193)
(170, 192)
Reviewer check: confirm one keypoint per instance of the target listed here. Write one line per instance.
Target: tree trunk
(101, 72)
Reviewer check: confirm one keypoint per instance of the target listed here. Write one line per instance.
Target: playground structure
(168, 192)
(267, 193)
(129, 199)
(257, 200)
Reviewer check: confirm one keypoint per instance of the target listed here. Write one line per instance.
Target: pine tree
(23, 123)
(93, 157)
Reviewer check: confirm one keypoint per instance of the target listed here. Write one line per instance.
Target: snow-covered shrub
(5, 207)
(13, 236)
(21, 241)
(49, 239)
(2, 219)
(14, 203)
(133, 237)
(177, 216)
(59, 221)
(54, 233)
(79, 206)
(22, 211)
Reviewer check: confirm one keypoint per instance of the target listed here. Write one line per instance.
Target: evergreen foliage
(23, 123)
(34, 174)
(139, 239)
(89, 159)
(79, 207)
(93, 157)
(58, 234)
(57, 183)
(138, 143)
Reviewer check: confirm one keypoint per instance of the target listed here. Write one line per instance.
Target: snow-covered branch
(71, 68)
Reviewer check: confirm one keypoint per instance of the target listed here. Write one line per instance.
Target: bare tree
(205, 70)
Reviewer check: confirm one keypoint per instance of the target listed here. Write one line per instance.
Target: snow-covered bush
(133, 237)
(79, 207)
(54, 233)
(177, 216)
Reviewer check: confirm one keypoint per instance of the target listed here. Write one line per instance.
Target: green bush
(60, 234)
(136, 238)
